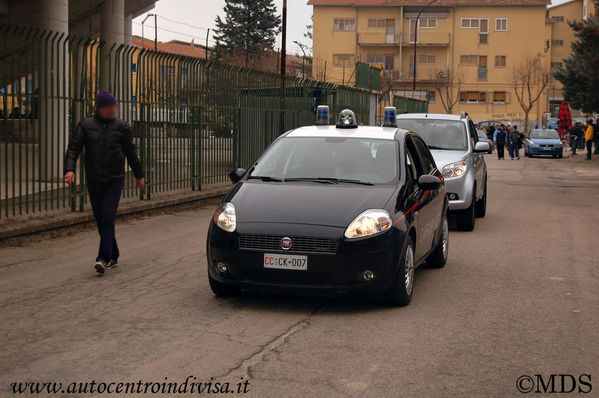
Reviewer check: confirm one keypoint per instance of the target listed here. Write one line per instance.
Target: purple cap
(104, 99)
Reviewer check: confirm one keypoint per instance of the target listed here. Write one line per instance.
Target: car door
(431, 202)
(478, 160)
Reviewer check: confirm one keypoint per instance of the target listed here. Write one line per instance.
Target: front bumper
(549, 151)
(462, 187)
(327, 273)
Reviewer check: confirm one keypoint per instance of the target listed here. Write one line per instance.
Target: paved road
(519, 296)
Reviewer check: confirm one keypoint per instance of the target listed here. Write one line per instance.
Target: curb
(69, 219)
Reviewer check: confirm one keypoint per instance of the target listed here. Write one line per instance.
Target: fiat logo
(286, 243)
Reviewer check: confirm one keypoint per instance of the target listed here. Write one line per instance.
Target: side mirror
(236, 175)
(482, 147)
(428, 181)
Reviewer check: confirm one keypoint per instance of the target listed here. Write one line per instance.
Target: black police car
(332, 209)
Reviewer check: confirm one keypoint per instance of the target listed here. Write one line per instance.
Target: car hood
(545, 141)
(443, 157)
(306, 202)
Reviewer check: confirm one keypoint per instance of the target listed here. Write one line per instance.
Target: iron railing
(193, 119)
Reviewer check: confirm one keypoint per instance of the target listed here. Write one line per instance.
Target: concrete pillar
(53, 87)
(128, 30)
(112, 33)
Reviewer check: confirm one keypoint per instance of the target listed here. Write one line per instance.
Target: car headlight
(225, 217)
(369, 222)
(456, 169)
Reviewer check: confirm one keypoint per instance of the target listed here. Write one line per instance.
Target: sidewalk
(61, 219)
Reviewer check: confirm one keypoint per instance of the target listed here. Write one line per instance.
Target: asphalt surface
(519, 296)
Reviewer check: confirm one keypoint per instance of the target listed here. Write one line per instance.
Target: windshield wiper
(434, 147)
(266, 178)
(331, 180)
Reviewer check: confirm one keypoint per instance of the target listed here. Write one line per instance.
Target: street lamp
(301, 46)
(416, 37)
(155, 30)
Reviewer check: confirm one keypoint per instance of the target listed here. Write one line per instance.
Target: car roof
(437, 116)
(381, 133)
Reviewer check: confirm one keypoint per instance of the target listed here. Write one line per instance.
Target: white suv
(458, 153)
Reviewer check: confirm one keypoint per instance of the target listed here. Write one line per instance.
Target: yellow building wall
(528, 36)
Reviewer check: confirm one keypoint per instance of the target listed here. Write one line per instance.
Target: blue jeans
(514, 150)
(104, 198)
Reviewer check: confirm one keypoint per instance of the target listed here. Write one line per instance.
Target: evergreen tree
(249, 27)
(580, 74)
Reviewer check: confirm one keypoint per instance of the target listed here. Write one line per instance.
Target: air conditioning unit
(444, 74)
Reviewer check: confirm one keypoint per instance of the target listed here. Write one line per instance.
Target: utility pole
(283, 63)
(207, 37)
(155, 32)
(142, 31)
(416, 38)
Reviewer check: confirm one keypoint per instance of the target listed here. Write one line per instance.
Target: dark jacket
(514, 136)
(107, 143)
(501, 136)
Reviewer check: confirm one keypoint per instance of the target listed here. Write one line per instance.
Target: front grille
(298, 243)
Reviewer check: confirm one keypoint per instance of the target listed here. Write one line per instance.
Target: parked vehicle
(458, 152)
(332, 209)
(544, 142)
(482, 137)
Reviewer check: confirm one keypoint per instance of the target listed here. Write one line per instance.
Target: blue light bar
(390, 115)
(322, 115)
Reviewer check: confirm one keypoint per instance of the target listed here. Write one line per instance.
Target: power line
(183, 23)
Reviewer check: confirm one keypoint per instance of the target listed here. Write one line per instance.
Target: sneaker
(517, 158)
(112, 264)
(100, 266)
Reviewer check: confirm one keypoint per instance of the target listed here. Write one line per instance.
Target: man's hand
(140, 183)
(69, 178)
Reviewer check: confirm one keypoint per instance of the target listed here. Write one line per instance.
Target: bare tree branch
(530, 81)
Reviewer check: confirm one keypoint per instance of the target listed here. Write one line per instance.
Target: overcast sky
(190, 19)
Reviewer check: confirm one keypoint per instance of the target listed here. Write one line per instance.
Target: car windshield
(545, 134)
(438, 134)
(481, 134)
(334, 160)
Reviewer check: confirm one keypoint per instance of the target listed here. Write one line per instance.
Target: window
(134, 67)
(376, 59)
(555, 65)
(500, 61)
(469, 59)
(428, 23)
(499, 97)
(500, 24)
(470, 23)
(424, 59)
(473, 97)
(557, 19)
(482, 67)
(344, 24)
(376, 23)
(557, 43)
(425, 155)
(431, 96)
(343, 59)
(483, 35)
(184, 70)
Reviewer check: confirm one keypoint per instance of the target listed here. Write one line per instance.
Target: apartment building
(466, 49)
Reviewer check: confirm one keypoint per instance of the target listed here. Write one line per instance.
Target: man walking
(500, 140)
(575, 137)
(588, 137)
(107, 141)
(596, 138)
(514, 139)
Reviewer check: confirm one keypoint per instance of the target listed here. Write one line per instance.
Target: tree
(249, 27)
(530, 80)
(580, 75)
(449, 89)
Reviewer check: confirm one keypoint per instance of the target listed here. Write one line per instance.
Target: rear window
(438, 134)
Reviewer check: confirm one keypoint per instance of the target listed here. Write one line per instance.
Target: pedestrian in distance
(520, 137)
(575, 136)
(588, 137)
(491, 131)
(513, 140)
(107, 140)
(596, 138)
(500, 140)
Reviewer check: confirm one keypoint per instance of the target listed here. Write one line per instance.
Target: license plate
(285, 261)
(547, 148)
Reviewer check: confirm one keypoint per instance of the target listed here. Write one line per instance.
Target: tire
(466, 219)
(400, 293)
(222, 289)
(438, 258)
(481, 205)
(560, 156)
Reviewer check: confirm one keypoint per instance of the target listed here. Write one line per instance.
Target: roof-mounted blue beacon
(322, 115)
(390, 115)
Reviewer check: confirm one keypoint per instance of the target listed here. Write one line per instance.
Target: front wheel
(466, 219)
(400, 293)
(481, 205)
(438, 258)
(223, 289)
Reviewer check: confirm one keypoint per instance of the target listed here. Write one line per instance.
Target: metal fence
(193, 119)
